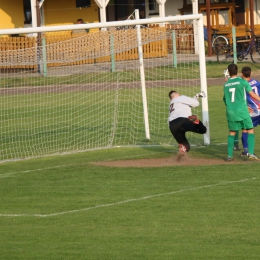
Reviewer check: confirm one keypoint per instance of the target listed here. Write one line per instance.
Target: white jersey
(181, 107)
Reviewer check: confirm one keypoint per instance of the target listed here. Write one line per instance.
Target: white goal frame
(199, 46)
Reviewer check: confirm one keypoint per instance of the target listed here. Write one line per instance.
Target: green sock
(230, 142)
(251, 143)
(236, 141)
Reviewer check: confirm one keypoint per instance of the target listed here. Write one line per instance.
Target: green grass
(206, 212)
(65, 207)
(55, 123)
(156, 73)
(214, 70)
(70, 120)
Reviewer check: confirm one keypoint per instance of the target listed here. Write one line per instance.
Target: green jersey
(235, 99)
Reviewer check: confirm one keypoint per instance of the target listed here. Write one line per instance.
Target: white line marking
(5, 175)
(124, 201)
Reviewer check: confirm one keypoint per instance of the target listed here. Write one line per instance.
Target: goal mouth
(65, 93)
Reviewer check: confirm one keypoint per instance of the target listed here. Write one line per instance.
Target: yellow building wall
(65, 12)
(11, 14)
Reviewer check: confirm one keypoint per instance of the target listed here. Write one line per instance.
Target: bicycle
(226, 54)
(218, 41)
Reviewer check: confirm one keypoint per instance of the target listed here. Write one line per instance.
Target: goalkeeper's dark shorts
(181, 125)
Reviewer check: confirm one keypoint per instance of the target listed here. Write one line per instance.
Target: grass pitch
(65, 207)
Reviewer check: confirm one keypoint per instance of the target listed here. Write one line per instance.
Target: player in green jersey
(237, 113)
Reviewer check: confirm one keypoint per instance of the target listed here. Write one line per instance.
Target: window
(153, 7)
(82, 3)
(27, 11)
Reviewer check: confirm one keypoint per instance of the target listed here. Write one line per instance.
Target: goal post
(203, 80)
(142, 76)
(74, 91)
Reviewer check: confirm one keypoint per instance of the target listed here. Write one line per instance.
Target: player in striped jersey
(252, 104)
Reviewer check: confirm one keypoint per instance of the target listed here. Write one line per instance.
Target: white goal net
(66, 91)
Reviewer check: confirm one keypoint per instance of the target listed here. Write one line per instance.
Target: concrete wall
(172, 6)
(11, 14)
(65, 12)
(55, 12)
(257, 8)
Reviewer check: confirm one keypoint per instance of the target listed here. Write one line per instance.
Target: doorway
(240, 12)
(121, 10)
(27, 11)
(124, 8)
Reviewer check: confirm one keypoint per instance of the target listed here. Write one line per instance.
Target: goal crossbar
(100, 25)
(63, 93)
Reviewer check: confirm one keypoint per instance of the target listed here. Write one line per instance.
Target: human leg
(230, 142)
(178, 132)
(244, 142)
(251, 147)
(200, 128)
(234, 127)
(195, 126)
(181, 139)
(250, 139)
(236, 142)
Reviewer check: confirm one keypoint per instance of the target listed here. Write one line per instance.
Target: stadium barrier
(20, 52)
(184, 37)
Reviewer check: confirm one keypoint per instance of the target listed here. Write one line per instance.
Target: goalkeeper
(181, 119)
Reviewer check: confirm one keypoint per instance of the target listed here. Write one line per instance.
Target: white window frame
(156, 7)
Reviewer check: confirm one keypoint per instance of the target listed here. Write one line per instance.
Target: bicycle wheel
(218, 43)
(255, 54)
(225, 55)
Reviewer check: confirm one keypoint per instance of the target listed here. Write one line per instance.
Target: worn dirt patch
(177, 160)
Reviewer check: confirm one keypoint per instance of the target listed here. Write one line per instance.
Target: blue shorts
(256, 120)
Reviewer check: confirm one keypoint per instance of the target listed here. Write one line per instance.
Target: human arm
(226, 75)
(224, 97)
(201, 94)
(254, 95)
(250, 91)
(224, 100)
(192, 102)
(255, 84)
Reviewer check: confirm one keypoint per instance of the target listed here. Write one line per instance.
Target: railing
(81, 48)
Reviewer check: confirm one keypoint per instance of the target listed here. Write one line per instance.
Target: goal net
(68, 90)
